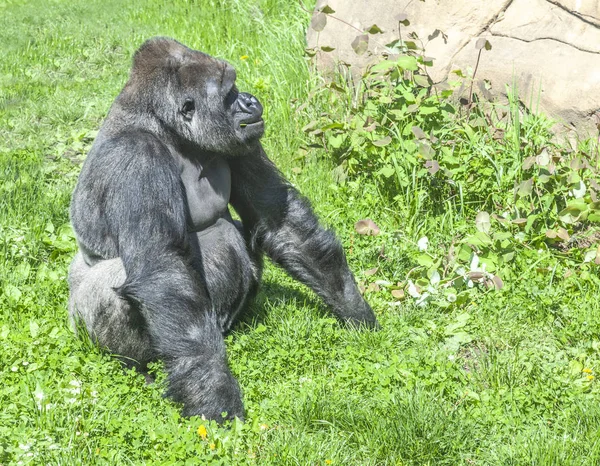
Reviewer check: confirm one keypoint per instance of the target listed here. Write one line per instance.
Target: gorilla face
(195, 96)
(215, 114)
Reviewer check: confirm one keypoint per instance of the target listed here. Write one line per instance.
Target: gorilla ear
(188, 109)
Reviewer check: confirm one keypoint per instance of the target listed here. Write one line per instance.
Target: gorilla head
(163, 270)
(194, 95)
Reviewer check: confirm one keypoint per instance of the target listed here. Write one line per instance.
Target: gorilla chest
(207, 188)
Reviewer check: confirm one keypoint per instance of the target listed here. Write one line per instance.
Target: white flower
(423, 299)
(578, 191)
(423, 243)
(474, 263)
(76, 384)
(412, 290)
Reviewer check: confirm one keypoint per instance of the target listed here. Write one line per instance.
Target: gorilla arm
(281, 222)
(145, 212)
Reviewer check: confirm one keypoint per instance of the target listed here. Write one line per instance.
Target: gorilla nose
(250, 104)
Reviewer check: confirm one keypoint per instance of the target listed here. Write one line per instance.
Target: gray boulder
(550, 49)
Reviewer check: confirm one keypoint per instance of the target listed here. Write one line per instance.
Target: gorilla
(163, 271)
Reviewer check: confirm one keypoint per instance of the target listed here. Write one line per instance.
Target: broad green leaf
(575, 367)
(34, 329)
(422, 81)
(382, 142)
(407, 62)
(384, 65)
(387, 171)
(573, 211)
(543, 158)
(374, 29)
(12, 293)
(479, 239)
(425, 260)
(428, 109)
(482, 222)
(525, 188)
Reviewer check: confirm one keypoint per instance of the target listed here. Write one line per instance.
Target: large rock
(549, 48)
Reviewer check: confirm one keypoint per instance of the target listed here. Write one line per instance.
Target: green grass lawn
(502, 377)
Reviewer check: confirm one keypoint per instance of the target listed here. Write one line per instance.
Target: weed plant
(484, 274)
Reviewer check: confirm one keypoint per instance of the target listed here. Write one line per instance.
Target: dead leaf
(418, 132)
(370, 272)
(374, 287)
(475, 276)
(563, 234)
(432, 166)
(360, 44)
(366, 227)
(319, 22)
(398, 294)
(498, 283)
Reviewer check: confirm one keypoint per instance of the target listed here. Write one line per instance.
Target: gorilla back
(163, 271)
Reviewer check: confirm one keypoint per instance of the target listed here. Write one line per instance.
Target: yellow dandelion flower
(202, 432)
(212, 446)
(328, 461)
(587, 370)
(264, 427)
(590, 377)
(244, 57)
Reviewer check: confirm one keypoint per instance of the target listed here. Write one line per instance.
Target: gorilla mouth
(252, 120)
(249, 110)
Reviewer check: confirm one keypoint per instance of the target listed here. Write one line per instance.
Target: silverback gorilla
(163, 270)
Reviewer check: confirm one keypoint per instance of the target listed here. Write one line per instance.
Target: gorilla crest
(163, 271)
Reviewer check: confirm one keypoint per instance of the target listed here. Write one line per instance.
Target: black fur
(163, 271)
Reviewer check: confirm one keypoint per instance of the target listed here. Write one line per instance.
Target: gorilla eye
(188, 108)
(231, 97)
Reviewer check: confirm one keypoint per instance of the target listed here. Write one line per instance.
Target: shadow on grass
(272, 294)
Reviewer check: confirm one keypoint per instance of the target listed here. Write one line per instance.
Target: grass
(501, 378)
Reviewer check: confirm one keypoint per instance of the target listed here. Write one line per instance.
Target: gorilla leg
(110, 320)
